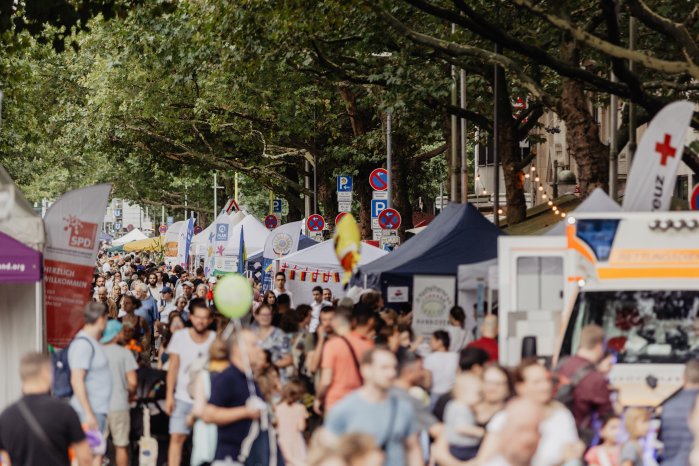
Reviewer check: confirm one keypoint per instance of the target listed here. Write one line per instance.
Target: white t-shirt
(458, 338)
(498, 461)
(443, 366)
(182, 345)
(106, 267)
(165, 313)
(557, 432)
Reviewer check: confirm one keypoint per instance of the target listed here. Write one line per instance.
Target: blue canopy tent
(459, 235)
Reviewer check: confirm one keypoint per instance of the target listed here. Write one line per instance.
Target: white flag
(177, 240)
(72, 226)
(283, 240)
(652, 177)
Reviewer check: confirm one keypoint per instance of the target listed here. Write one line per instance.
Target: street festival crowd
(316, 380)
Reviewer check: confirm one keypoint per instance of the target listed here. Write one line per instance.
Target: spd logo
(82, 234)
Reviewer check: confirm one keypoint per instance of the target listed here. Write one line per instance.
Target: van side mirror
(528, 347)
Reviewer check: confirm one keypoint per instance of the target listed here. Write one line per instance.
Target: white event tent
(320, 262)
(133, 235)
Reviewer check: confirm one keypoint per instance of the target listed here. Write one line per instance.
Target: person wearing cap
(122, 365)
(188, 290)
(166, 304)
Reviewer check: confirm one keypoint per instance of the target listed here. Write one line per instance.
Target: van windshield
(640, 326)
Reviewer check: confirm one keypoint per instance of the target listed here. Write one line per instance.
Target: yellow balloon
(233, 296)
(347, 245)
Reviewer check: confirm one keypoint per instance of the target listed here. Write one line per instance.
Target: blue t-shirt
(675, 434)
(98, 379)
(354, 414)
(230, 390)
(148, 310)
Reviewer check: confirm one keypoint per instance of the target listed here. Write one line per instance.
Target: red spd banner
(72, 225)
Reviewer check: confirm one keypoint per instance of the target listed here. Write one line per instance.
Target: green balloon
(233, 296)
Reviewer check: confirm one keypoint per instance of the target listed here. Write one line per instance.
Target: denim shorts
(178, 418)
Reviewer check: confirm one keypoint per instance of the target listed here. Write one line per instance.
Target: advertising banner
(433, 298)
(222, 250)
(653, 173)
(178, 238)
(72, 227)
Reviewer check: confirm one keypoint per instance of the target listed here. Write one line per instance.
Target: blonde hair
(631, 419)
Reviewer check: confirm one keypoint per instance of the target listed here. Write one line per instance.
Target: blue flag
(242, 253)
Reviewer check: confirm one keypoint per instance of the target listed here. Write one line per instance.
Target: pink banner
(72, 225)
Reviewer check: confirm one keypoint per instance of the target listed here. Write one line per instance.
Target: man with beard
(186, 346)
(153, 287)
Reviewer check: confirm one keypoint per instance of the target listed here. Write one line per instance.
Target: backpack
(565, 386)
(62, 387)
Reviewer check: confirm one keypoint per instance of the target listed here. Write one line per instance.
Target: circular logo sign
(162, 229)
(282, 243)
(198, 229)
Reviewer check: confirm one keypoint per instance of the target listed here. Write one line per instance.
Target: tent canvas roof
(133, 235)
(255, 233)
(598, 201)
(458, 235)
(22, 224)
(322, 256)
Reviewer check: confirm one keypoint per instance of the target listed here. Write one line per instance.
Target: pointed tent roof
(598, 201)
(459, 235)
(255, 233)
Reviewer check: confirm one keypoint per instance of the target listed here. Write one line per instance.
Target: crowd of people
(321, 381)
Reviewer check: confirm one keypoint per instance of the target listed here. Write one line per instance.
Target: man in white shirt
(280, 287)
(108, 264)
(186, 346)
(316, 305)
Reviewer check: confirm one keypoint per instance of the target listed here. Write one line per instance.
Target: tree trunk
(582, 132)
(360, 120)
(510, 157)
(402, 167)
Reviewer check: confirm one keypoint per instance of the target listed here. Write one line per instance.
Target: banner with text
(72, 226)
(433, 298)
(653, 173)
(177, 241)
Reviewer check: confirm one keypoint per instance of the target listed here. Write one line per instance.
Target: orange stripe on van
(576, 244)
(617, 273)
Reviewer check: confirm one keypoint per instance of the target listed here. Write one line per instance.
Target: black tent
(459, 235)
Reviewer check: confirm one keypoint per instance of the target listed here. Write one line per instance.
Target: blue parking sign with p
(378, 206)
(277, 205)
(344, 184)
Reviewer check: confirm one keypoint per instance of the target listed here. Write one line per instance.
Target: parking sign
(378, 206)
(277, 206)
(344, 184)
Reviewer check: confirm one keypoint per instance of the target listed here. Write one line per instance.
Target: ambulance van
(634, 274)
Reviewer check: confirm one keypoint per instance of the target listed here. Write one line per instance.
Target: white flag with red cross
(652, 177)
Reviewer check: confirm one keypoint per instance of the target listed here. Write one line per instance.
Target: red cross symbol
(665, 149)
